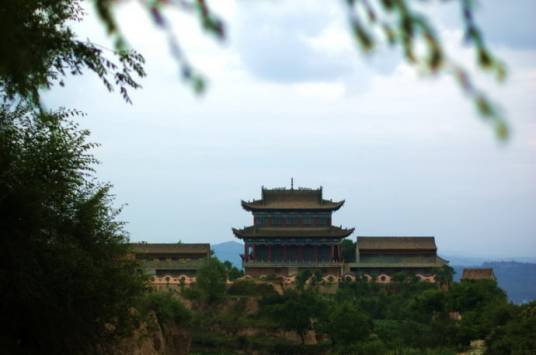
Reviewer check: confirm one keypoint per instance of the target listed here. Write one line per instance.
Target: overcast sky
(290, 96)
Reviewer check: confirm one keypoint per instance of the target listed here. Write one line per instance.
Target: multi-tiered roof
(291, 199)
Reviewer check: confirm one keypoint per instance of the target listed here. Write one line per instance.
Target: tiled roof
(478, 274)
(396, 243)
(403, 262)
(293, 199)
(292, 232)
(170, 248)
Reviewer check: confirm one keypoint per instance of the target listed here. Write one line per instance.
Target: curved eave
(348, 232)
(257, 206)
(339, 205)
(246, 206)
(239, 233)
(245, 233)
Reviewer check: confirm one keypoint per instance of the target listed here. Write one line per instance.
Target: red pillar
(269, 253)
(331, 253)
(339, 252)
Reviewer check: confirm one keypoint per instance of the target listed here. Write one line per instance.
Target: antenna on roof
(292, 183)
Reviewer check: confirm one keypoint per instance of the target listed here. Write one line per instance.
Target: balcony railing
(292, 263)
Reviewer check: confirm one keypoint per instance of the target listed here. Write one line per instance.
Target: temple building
(170, 264)
(292, 231)
(475, 274)
(379, 258)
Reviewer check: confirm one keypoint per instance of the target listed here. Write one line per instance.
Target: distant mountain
(455, 259)
(229, 251)
(517, 279)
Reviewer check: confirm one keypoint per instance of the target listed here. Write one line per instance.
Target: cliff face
(152, 338)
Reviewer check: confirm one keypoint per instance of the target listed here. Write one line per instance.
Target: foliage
(41, 50)
(403, 317)
(250, 288)
(348, 248)
(209, 21)
(166, 307)
(67, 284)
(400, 24)
(232, 272)
(346, 324)
(474, 295)
(405, 28)
(516, 336)
(211, 279)
(302, 278)
(444, 276)
(428, 303)
(294, 310)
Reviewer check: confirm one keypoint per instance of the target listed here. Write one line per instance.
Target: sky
(290, 96)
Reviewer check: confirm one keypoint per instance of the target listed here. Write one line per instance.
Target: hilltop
(518, 279)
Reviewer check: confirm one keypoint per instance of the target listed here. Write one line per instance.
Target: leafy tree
(67, 284)
(428, 303)
(250, 288)
(232, 272)
(346, 324)
(302, 278)
(399, 24)
(39, 49)
(474, 295)
(166, 307)
(517, 335)
(210, 280)
(296, 311)
(444, 275)
(348, 249)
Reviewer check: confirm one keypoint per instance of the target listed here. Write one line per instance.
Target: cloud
(409, 155)
(276, 41)
(504, 23)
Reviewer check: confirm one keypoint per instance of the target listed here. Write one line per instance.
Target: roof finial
(292, 183)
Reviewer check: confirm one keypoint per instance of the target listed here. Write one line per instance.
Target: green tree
(232, 272)
(427, 304)
(399, 24)
(516, 336)
(210, 280)
(39, 49)
(67, 284)
(296, 311)
(302, 278)
(346, 324)
(166, 307)
(348, 249)
(444, 275)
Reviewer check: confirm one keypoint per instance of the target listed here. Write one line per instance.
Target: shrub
(166, 307)
(250, 288)
(211, 279)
